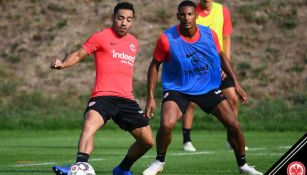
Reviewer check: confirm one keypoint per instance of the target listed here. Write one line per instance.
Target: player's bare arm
(227, 46)
(68, 61)
(227, 68)
(152, 77)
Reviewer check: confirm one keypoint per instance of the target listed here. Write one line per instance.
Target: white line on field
(284, 147)
(102, 159)
(97, 159)
(170, 154)
(269, 154)
(186, 153)
(193, 153)
(35, 164)
(256, 149)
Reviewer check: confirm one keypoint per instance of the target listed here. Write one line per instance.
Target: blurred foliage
(38, 111)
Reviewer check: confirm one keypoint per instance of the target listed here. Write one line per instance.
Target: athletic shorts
(205, 101)
(227, 83)
(126, 113)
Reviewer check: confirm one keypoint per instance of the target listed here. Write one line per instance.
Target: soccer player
(115, 51)
(191, 71)
(217, 17)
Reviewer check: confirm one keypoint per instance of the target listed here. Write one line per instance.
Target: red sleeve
(216, 41)
(227, 27)
(162, 50)
(92, 44)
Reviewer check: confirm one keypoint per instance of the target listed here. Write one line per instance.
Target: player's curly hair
(186, 3)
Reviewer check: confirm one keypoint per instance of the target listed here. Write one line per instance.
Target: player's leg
(225, 115)
(92, 122)
(170, 113)
(130, 118)
(228, 88)
(143, 142)
(187, 121)
(232, 99)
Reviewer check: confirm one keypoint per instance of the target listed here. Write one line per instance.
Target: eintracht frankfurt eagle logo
(132, 47)
(296, 168)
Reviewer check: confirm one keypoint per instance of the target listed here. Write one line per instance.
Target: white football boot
(188, 146)
(246, 169)
(154, 168)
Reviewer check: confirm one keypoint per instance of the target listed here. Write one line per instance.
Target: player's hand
(242, 94)
(150, 108)
(56, 64)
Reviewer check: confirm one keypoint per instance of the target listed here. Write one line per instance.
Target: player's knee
(191, 107)
(234, 127)
(167, 126)
(234, 101)
(149, 143)
(86, 127)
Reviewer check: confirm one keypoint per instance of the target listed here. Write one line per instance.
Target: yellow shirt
(214, 20)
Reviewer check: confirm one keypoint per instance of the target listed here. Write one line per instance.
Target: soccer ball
(81, 168)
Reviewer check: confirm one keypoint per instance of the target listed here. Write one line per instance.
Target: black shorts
(126, 113)
(227, 83)
(205, 101)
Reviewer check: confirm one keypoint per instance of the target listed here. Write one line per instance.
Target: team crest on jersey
(132, 47)
(195, 60)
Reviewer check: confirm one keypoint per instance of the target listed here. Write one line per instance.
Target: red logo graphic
(132, 47)
(165, 95)
(296, 168)
(73, 168)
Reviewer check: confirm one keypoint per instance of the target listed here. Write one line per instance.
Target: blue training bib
(193, 68)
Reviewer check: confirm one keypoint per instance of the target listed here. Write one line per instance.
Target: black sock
(82, 157)
(161, 157)
(186, 135)
(126, 164)
(241, 160)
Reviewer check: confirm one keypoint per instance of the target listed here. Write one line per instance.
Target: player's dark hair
(124, 5)
(186, 3)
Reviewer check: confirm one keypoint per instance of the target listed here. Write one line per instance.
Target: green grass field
(35, 152)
